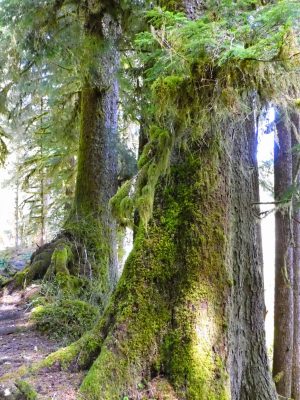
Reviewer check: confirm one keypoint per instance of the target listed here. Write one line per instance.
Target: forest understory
(21, 345)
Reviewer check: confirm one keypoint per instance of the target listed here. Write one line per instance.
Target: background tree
(296, 260)
(47, 49)
(284, 311)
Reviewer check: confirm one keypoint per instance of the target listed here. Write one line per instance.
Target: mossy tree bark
(283, 312)
(296, 265)
(90, 229)
(189, 306)
(190, 303)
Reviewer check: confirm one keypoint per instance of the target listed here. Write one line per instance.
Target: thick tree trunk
(296, 266)
(169, 308)
(189, 306)
(283, 313)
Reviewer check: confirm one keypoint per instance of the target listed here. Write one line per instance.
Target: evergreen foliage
(197, 72)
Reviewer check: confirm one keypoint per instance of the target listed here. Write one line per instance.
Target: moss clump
(122, 205)
(67, 320)
(27, 391)
(60, 259)
(154, 163)
(4, 281)
(20, 278)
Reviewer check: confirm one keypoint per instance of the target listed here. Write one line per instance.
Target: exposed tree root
(54, 257)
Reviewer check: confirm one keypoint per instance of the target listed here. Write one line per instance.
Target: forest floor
(20, 345)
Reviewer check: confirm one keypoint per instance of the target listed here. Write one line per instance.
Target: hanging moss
(122, 204)
(152, 168)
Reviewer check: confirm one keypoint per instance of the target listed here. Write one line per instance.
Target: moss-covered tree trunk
(187, 317)
(188, 312)
(283, 312)
(96, 183)
(90, 230)
(296, 265)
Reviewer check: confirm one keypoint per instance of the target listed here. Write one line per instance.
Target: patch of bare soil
(20, 345)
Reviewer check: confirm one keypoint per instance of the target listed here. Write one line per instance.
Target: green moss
(151, 169)
(92, 248)
(15, 375)
(26, 390)
(197, 214)
(167, 313)
(122, 204)
(176, 271)
(61, 256)
(4, 281)
(20, 278)
(141, 316)
(66, 320)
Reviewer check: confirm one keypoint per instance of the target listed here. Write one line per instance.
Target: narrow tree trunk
(43, 213)
(91, 219)
(17, 212)
(283, 313)
(296, 265)
(90, 230)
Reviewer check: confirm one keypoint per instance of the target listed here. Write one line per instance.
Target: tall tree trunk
(249, 371)
(296, 264)
(283, 313)
(17, 211)
(90, 224)
(97, 160)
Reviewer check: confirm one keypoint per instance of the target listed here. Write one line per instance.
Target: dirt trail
(20, 344)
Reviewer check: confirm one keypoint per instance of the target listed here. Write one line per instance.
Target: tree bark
(296, 264)
(189, 306)
(97, 160)
(90, 228)
(283, 313)
(249, 371)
